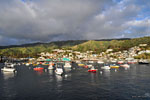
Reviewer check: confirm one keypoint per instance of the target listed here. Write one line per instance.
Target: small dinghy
(125, 66)
(38, 68)
(51, 66)
(92, 70)
(67, 65)
(105, 67)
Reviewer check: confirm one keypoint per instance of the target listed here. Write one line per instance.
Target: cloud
(26, 21)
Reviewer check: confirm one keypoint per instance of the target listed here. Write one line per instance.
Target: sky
(29, 21)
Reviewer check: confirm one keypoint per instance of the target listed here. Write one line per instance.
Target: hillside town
(108, 56)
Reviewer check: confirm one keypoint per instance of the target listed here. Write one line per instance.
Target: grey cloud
(51, 20)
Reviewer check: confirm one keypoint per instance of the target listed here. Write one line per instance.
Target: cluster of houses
(89, 55)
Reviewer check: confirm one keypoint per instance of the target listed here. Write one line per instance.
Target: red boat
(85, 66)
(92, 70)
(38, 69)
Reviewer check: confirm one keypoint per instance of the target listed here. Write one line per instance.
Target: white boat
(51, 65)
(125, 66)
(120, 62)
(91, 61)
(67, 65)
(27, 64)
(59, 71)
(100, 62)
(105, 67)
(8, 69)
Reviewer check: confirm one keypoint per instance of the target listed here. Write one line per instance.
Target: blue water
(77, 84)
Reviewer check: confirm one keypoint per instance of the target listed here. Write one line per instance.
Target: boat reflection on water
(39, 72)
(8, 75)
(106, 73)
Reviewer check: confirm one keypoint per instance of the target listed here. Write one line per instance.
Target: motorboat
(144, 61)
(91, 61)
(51, 65)
(100, 62)
(8, 67)
(81, 64)
(92, 70)
(59, 70)
(114, 66)
(67, 65)
(120, 62)
(38, 68)
(105, 67)
(125, 66)
(86, 66)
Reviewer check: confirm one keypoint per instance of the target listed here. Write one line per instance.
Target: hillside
(117, 45)
(80, 45)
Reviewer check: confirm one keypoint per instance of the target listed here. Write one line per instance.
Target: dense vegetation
(80, 45)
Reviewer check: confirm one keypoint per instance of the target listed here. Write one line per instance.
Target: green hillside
(117, 45)
(79, 45)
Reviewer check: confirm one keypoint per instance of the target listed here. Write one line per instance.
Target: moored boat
(81, 65)
(144, 61)
(67, 65)
(92, 70)
(8, 67)
(125, 66)
(105, 67)
(114, 66)
(51, 65)
(100, 62)
(38, 68)
(59, 69)
(120, 62)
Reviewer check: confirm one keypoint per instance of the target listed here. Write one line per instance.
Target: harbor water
(77, 84)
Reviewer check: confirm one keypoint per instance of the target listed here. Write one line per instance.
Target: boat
(81, 65)
(8, 67)
(67, 65)
(125, 66)
(120, 62)
(100, 62)
(59, 70)
(144, 61)
(51, 65)
(114, 66)
(105, 67)
(91, 61)
(132, 62)
(92, 70)
(86, 66)
(90, 66)
(27, 64)
(38, 68)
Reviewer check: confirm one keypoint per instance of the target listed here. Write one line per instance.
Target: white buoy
(66, 75)
(101, 72)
